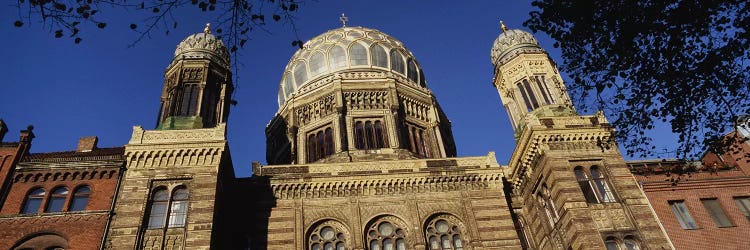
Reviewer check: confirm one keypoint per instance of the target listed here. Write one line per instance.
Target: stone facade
(195, 159)
(570, 187)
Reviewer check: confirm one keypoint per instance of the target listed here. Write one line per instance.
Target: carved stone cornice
(141, 136)
(168, 148)
(556, 133)
(383, 177)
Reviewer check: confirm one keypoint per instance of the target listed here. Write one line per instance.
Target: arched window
(178, 208)
(329, 141)
(385, 235)
(189, 104)
(288, 86)
(312, 148)
(327, 236)
(80, 198)
(417, 141)
(281, 99)
(369, 130)
(380, 136)
(300, 74)
(158, 211)
(369, 134)
(317, 64)
(443, 235)
(611, 243)
(605, 193)
(412, 71)
(57, 200)
(585, 184)
(358, 54)
(320, 144)
(397, 61)
(379, 57)
(545, 200)
(33, 201)
(631, 243)
(359, 134)
(337, 57)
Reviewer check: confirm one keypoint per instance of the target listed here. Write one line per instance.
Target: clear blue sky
(101, 87)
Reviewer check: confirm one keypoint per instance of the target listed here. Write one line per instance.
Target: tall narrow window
(397, 61)
(357, 54)
(544, 209)
(412, 71)
(189, 100)
(543, 89)
(380, 137)
(683, 215)
(717, 213)
(531, 94)
(743, 203)
(321, 145)
(300, 74)
(178, 208)
(337, 57)
(329, 141)
(57, 199)
(605, 192)
(317, 64)
(550, 202)
(585, 184)
(369, 135)
(80, 198)
(359, 134)
(33, 201)
(379, 57)
(158, 211)
(311, 148)
(525, 98)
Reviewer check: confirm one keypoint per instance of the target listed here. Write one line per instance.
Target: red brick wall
(102, 187)
(723, 186)
(82, 230)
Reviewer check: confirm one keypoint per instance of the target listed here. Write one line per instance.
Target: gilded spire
(502, 26)
(207, 30)
(343, 19)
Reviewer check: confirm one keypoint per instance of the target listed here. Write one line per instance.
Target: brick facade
(91, 175)
(722, 178)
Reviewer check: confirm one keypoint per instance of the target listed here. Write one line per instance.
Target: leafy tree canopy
(684, 63)
(233, 19)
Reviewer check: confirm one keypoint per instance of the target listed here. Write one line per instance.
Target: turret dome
(203, 45)
(512, 42)
(347, 49)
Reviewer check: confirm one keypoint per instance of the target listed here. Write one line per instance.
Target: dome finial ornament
(502, 26)
(343, 19)
(207, 30)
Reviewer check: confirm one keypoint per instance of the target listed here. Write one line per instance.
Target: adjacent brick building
(702, 205)
(60, 199)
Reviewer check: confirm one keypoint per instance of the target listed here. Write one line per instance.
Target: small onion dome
(347, 49)
(513, 42)
(203, 45)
